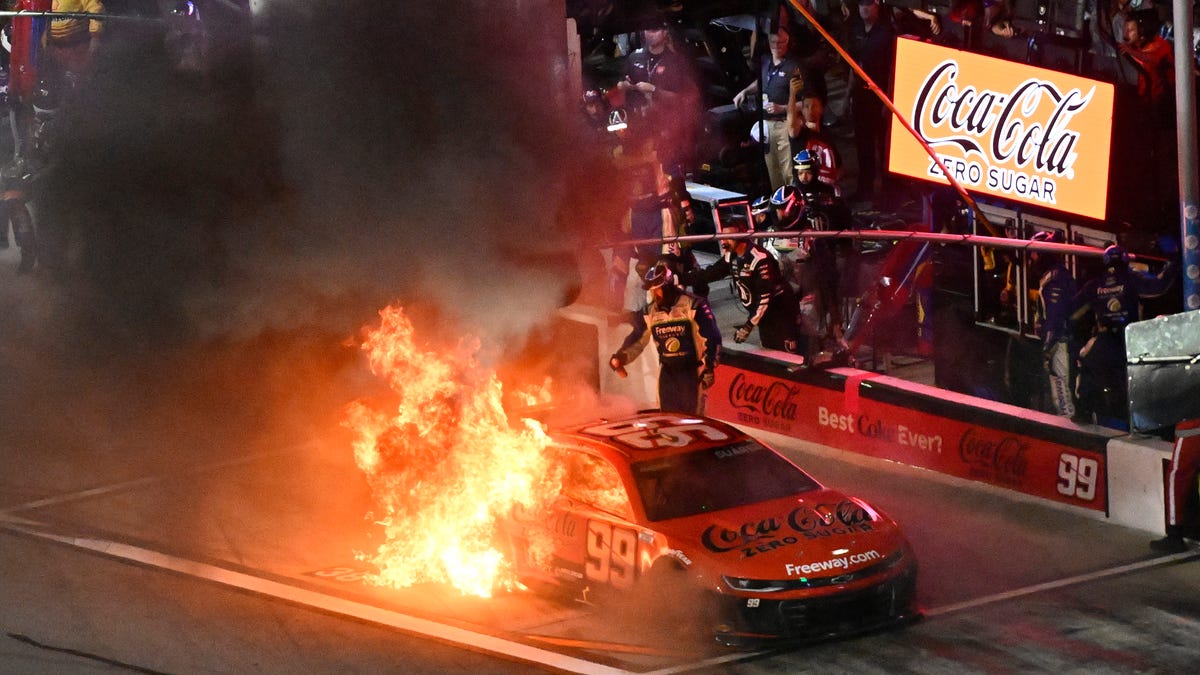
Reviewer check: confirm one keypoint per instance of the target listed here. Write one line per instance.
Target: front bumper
(747, 621)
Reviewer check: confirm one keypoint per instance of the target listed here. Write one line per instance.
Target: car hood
(823, 533)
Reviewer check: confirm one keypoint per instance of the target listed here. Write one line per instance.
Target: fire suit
(762, 291)
(688, 340)
(1056, 302)
(1115, 300)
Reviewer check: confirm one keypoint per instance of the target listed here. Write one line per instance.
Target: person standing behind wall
(773, 83)
(660, 87)
(760, 287)
(1115, 300)
(1055, 303)
(873, 47)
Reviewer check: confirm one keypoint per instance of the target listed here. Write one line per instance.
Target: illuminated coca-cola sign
(1004, 129)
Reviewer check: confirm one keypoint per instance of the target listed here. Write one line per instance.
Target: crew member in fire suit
(1181, 498)
(834, 260)
(760, 288)
(1055, 303)
(686, 335)
(1114, 298)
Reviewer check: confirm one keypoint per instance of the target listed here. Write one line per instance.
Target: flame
(445, 464)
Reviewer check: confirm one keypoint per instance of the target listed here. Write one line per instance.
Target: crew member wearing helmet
(1055, 303)
(822, 207)
(1115, 300)
(762, 213)
(686, 335)
(760, 288)
(832, 259)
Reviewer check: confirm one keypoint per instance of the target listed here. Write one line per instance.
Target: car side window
(594, 481)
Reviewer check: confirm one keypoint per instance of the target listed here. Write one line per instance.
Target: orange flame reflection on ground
(445, 464)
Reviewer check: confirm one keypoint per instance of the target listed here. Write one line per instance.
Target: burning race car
(678, 508)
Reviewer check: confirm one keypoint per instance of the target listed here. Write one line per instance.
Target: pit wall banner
(842, 418)
(1004, 129)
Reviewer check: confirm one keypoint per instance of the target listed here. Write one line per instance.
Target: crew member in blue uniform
(1115, 299)
(686, 335)
(1055, 304)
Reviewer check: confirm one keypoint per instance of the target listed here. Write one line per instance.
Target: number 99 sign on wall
(1004, 129)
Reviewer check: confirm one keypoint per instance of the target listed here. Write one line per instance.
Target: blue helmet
(760, 205)
(1114, 255)
(805, 161)
(784, 198)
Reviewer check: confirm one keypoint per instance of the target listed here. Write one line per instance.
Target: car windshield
(716, 478)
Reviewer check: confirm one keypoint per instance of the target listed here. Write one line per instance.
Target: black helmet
(1114, 255)
(659, 275)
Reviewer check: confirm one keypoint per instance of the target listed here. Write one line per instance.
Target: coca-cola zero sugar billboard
(1003, 129)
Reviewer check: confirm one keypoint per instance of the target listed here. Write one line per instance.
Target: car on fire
(665, 505)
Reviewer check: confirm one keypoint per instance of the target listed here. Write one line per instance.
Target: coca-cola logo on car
(999, 459)
(804, 521)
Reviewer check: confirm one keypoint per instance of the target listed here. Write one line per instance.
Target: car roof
(651, 435)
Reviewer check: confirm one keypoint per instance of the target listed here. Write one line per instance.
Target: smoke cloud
(367, 153)
(212, 243)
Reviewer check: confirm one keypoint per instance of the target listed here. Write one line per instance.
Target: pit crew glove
(743, 332)
(706, 378)
(617, 364)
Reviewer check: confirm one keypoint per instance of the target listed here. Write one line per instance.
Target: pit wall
(1087, 469)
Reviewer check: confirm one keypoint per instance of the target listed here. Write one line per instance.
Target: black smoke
(345, 155)
(212, 242)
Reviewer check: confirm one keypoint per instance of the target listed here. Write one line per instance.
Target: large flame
(445, 464)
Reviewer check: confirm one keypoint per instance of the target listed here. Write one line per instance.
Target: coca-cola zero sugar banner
(1004, 129)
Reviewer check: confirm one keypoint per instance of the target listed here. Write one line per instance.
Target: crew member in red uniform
(26, 65)
(1181, 489)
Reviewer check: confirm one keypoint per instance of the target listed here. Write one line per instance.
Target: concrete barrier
(1088, 469)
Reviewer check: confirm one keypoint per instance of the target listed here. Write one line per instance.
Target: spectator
(1115, 301)
(660, 88)
(772, 82)
(1055, 304)
(805, 111)
(1154, 60)
(916, 22)
(760, 288)
(686, 335)
(873, 47)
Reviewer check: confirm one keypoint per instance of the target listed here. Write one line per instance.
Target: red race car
(680, 508)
